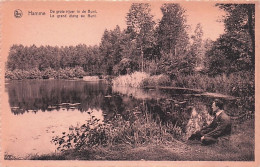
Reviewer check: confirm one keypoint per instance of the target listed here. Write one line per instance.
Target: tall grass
(141, 79)
(135, 132)
(235, 84)
(239, 84)
(157, 80)
(135, 80)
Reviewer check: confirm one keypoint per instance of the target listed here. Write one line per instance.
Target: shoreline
(240, 139)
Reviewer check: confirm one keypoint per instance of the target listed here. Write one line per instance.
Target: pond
(37, 110)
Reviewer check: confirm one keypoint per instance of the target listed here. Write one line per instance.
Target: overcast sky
(43, 30)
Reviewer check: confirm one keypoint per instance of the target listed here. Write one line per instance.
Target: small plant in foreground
(94, 133)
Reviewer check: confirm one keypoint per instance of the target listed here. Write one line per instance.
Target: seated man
(220, 126)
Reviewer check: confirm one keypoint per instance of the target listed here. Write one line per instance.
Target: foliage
(67, 73)
(95, 133)
(110, 49)
(134, 80)
(16, 74)
(197, 46)
(79, 72)
(22, 74)
(173, 67)
(172, 37)
(230, 53)
(157, 80)
(173, 41)
(140, 27)
(87, 135)
(235, 50)
(125, 66)
(240, 18)
(239, 84)
(49, 73)
(45, 58)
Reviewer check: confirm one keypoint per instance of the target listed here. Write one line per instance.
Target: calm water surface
(37, 110)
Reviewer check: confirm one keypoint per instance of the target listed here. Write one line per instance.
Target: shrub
(66, 73)
(49, 73)
(79, 72)
(16, 74)
(94, 133)
(10, 75)
(34, 74)
(157, 80)
(125, 66)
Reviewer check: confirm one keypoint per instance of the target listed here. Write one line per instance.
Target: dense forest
(155, 48)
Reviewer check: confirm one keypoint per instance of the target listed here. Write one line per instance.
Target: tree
(173, 42)
(230, 54)
(207, 46)
(172, 36)
(66, 57)
(14, 56)
(125, 66)
(235, 50)
(197, 45)
(240, 18)
(140, 27)
(110, 48)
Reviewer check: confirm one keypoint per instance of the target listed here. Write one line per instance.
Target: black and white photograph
(138, 82)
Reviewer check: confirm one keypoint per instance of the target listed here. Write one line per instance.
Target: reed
(141, 129)
(135, 80)
(239, 84)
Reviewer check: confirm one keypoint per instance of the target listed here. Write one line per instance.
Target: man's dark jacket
(220, 126)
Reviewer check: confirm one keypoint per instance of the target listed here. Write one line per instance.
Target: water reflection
(139, 93)
(48, 95)
(68, 103)
(173, 106)
(31, 133)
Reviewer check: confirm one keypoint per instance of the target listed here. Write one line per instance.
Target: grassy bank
(141, 79)
(240, 147)
(239, 84)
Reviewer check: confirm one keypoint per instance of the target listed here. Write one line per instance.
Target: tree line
(158, 48)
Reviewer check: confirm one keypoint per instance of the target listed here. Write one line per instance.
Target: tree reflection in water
(180, 108)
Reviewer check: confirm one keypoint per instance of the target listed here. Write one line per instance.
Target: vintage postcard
(129, 83)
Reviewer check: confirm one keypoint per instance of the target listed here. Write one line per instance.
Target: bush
(34, 74)
(94, 133)
(125, 66)
(157, 80)
(17, 74)
(79, 72)
(49, 73)
(67, 73)
(10, 75)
